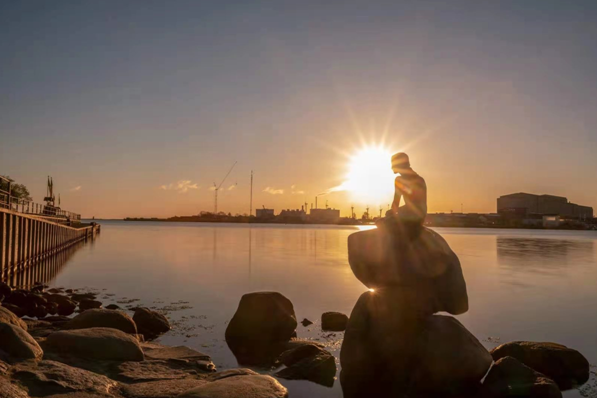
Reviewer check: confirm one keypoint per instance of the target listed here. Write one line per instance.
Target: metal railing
(7, 201)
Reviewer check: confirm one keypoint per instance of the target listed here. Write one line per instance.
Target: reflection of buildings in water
(45, 270)
(542, 252)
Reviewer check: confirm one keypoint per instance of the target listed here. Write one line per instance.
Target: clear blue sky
(122, 99)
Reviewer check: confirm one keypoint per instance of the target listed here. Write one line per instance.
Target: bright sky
(136, 108)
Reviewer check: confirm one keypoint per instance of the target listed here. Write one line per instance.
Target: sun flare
(370, 179)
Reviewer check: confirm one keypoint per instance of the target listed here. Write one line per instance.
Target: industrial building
(324, 216)
(525, 204)
(265, 214)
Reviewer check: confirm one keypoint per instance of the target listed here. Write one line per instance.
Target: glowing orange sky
(138, 112)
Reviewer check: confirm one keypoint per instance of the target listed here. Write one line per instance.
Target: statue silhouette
(409, 185)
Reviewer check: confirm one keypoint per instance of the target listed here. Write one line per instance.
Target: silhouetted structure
(526, 203)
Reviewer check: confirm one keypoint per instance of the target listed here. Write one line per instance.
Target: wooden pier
(26, 240)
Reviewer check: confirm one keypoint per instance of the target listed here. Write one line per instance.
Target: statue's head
(400, 162)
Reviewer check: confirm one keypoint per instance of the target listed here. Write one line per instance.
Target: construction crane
(217, 188)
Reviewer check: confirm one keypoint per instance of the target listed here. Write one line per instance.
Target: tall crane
(217, 188)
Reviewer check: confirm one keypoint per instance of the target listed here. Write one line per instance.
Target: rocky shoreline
(61, 343)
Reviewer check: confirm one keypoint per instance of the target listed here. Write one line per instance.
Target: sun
(370, 179)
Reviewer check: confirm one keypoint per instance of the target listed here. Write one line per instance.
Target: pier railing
(26, 239)
(10, 202)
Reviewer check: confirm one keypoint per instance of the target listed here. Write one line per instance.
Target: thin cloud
(295, 191)
(273, 191)
(75, 189)
(182, 186)
(231, 187)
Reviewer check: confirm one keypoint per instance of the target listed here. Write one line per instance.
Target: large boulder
(95, 343)
(150, 323)
(18, 344)
(510, 378)
(262, 322)
(333, 321)
(390, 348)
(7, 316)
(50, 377)
(565, 366)
(102, 318)
(247, 386)
(423, 262)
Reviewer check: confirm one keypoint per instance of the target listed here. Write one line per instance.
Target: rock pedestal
(394, 345)
(421, 260)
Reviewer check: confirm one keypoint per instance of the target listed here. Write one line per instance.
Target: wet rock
(565, 366)
(66, 306)
(262, 321)
(102, 318)
(333, 321)
(55, 290)
(52, 308)
(87, 304)
(18, 344)
(112, 307)
(50, 377)
(320, 369)
(157, 369)
(231, 373)
(95, 343)
(5, 289)
(254, 386)
(78, 297)
(510, 378)
(423, 263)
(18, 311)
(9, 390)
(18, 297)
(158, 351)
(8, 316)
(150, 323)
(161, 389)
(390, 349)
(40, 312)
(305, 322)
(294, 355)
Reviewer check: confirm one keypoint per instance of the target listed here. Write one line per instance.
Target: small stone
(333, 321)
(112, 307)
(320, 369)
(150, 323)
(305, 322)
(87, 304)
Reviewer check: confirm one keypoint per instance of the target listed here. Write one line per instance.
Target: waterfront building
(524, 204)
(264, 214)
(325, 216)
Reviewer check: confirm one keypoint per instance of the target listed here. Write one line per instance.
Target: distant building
(524, 204)
(324, 216)
(264, 214)
(292, 216)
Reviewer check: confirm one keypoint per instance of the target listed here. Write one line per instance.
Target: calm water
(522, 284)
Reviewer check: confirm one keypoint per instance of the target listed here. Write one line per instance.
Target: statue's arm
(397, 197)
